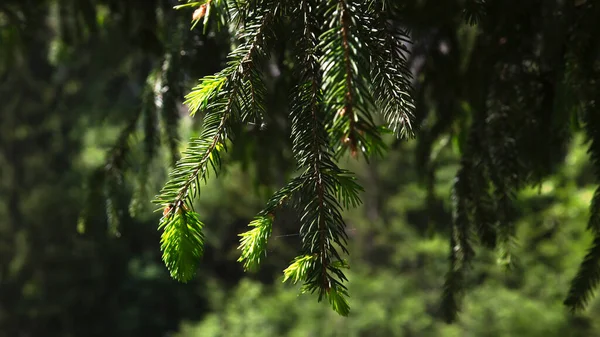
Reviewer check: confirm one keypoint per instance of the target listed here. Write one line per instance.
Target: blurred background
(73, 81)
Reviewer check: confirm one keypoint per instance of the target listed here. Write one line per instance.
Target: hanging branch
(346, 84)
(224, 98)
(391, 77)
(588, 276)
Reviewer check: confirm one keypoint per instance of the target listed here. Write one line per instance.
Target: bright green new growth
(182, 243)
(254, 242)
(299, 268)
(344, 72)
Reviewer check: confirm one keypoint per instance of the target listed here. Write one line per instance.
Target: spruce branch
(461, 250)
(453, 284)
(223, 98)
(391, 77)
(253, 243)
(323, 229)
(346, 83)
(588, 276)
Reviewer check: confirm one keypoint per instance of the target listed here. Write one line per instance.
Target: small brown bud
(200, 12)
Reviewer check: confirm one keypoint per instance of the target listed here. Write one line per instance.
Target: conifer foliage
(510, 95)
(348, 63)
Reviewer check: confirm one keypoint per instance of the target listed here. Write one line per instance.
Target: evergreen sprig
(223, 97)
(253, 243)
(391, 77)
(323, 229)
(182, 243)
(346, 84)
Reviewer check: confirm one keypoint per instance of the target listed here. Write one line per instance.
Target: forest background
(73, 77)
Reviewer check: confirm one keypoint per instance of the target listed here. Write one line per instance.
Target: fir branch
(481, 201)
(504, 197)
(506, 171)
(253, 243)
(193, 166)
